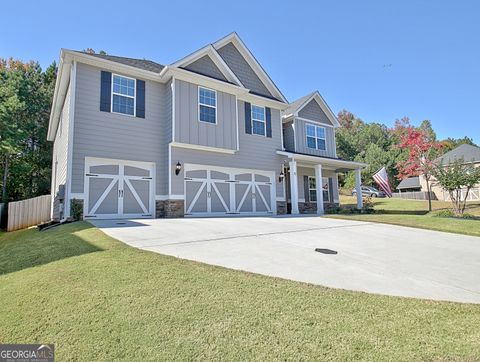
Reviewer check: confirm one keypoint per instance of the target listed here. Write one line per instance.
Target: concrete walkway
(374, 258)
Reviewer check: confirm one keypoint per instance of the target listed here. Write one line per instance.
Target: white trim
(332, 162)
(264, 121)
(169, 170)
(169, 197)
(236, 123)
(203, 80)
(323, 105)
(267, 102)
(71, 121)
(315, 137)
(254, 64)
(172, 86)
(280, 198)
(212, 53)
(203, 148)
(316, 122)
(77, 195)
(112, 93)
(206, 105)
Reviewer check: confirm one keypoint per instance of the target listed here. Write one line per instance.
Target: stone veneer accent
(169, 208)
(281, 207)
(311, 207)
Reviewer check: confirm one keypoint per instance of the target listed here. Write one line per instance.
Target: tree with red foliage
(422, 151)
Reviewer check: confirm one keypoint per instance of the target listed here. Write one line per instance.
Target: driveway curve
(360, 256)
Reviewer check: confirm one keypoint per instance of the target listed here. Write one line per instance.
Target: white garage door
(118, 189)
(211, 191)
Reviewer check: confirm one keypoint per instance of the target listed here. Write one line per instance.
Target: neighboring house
(208, 135)
(469, 154)
(410, 184)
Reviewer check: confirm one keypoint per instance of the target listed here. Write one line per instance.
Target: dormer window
(258, 120)
(207, 105)
(123, 95)
(315, 137)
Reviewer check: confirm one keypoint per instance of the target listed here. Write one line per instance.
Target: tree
(451, 143)
(25, 99)
(454, 178)
(422, 152)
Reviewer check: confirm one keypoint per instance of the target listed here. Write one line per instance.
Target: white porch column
(294, 187)
(319, 188)
(358, 187)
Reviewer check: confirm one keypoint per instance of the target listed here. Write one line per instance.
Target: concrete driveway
(374, 258)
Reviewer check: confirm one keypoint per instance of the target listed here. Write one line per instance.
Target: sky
(381, 60)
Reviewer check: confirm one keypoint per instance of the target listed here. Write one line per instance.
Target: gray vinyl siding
(306, 171)
(256, 152)
(289, 136)
(188, 129)
(237, 63)
(60, 157)
(206, 66)
(301, 140)
(314, 112)
(117, 136)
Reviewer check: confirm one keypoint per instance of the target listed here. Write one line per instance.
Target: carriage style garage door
(118, 189)
(211, 191)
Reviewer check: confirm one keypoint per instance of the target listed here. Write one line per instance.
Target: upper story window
(315, 137)
(258, 120)
(123, 95)
(207, 105)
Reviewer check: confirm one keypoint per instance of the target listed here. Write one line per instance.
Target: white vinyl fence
(473, 195)
(25, 213)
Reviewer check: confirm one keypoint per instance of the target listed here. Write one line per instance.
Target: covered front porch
(305, 194)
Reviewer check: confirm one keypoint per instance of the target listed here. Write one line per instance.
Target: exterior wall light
(281, 177)
(178, 168)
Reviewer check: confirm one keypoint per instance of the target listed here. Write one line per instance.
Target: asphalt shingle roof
(297, 104)
(469, 153)
(409, 183)
(143, 64)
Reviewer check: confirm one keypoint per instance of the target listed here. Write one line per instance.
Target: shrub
(77, 209)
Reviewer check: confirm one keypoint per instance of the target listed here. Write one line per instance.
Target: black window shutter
(140, 105)
(306, 188)
(105, 91)
(268, 121)
(248, 118)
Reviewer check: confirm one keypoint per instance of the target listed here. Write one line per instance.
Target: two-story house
(208, 135)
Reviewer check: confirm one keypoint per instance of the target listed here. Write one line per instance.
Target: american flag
(381, 178)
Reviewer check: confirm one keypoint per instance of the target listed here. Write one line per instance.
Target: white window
(207, 105)
(312, 189)
(258, 120)
(123, 95)
(315, 137)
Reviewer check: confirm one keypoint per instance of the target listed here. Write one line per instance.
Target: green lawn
(98, 299)
(415, 214)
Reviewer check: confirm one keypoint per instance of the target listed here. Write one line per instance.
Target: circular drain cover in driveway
(326, 251)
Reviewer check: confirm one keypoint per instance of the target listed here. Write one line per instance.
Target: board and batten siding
(60, 157)
(306, 171)
(256, 152)
(289, 136)
(188, 129)
(301, 140)
(117, 136)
